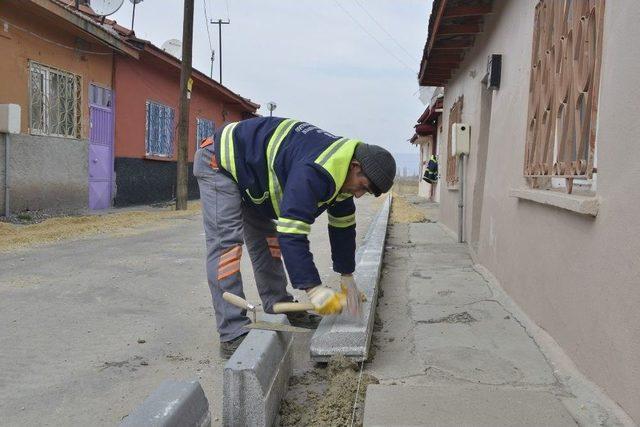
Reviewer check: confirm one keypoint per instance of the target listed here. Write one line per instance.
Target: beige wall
(578, 277)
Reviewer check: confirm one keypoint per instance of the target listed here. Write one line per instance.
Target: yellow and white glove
(326, 300)
(347, 281)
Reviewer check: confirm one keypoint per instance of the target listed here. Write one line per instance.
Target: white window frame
(45, 126)
(167, 126)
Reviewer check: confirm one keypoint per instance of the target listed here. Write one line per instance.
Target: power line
(206, 23)
(363, 28)
(384, 29)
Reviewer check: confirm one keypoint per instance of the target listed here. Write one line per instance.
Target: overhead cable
(206, 23)
(384, 29)
(363, 28)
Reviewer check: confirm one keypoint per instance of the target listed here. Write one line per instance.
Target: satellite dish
(106, 7)
(173, 47)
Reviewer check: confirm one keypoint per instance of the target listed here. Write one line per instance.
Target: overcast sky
(311, 58)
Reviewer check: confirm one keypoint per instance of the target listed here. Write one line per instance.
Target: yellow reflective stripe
(227, 151)
(343, 196)
(259, 200)
(335, 159)
(292, 226)
(275, 190)
(342, 221)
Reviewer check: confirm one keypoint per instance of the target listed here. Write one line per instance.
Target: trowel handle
(238, 301)
(287, 307)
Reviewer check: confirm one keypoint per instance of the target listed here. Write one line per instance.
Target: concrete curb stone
(256, 377)
(172, 404)
(340, 334)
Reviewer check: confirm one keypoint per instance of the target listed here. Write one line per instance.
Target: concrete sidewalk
(452, 350)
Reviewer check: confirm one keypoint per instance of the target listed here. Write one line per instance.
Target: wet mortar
(325, 395)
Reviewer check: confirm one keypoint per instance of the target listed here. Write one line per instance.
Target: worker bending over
(263, 181)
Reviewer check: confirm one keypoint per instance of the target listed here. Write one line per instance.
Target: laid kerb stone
(340, 334)
(172, 404)
(255, 378)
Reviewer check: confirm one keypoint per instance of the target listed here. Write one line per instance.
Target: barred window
(54, 101)
(204, 129)
(455, 116)
(159, 130)
(563, 92)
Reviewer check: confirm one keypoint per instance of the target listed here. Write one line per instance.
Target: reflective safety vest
(431, 173)
(292, 171)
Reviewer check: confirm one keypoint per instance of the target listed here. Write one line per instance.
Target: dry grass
(73, 227)
(401, 210)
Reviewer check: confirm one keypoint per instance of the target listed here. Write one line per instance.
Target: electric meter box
(460, 139)
(9, 118)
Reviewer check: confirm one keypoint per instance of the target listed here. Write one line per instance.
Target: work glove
(348, 282)
(325, 300)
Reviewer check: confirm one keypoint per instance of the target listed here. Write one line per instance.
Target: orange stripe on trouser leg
(206, 142)
(214, 162)
(228, 270)
(275, 252)
(272, 241)
(274, 247)
(233, 253)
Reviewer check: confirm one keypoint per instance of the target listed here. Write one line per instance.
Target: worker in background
(263, 181)
(431, 172)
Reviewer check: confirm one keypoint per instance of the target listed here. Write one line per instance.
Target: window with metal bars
(159, 130)
(563, 93)
(54, 101)
(204, 129)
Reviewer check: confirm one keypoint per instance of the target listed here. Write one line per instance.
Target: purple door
(100, 147)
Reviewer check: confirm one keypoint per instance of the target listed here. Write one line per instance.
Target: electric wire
(373, 18)
(363, 28)
(206, 24)
(88, 52)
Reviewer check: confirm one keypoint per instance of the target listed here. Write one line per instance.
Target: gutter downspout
(461, 201)
(7, 184)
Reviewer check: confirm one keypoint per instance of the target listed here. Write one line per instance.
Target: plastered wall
(18, 47)
(577, 276)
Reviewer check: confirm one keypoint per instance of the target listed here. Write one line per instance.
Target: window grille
(204, 129)
(54, 101)
(455, 116)
(563, 90)
(159, 130)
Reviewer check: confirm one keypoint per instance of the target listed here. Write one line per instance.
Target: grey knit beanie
(378, 165)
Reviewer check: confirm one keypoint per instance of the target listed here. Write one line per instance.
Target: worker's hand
(347, 281)
(325, 300)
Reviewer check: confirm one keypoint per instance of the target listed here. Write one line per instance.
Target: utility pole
(185, 96)
(220, 23)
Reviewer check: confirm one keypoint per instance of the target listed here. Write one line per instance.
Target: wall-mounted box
(460, 139)
(9, 118)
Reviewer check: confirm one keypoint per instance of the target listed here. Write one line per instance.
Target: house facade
(55, 60)
(427, 131)
(146, 136)
(551, 179)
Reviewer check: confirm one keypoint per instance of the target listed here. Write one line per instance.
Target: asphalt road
(74, 315)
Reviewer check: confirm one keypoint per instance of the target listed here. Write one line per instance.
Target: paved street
(74, 314)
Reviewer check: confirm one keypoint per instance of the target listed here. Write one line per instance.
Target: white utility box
(9, 118)
(460, 139)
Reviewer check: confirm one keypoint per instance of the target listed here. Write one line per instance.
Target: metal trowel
(283, 307)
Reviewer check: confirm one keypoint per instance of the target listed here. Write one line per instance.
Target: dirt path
(64, 228)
